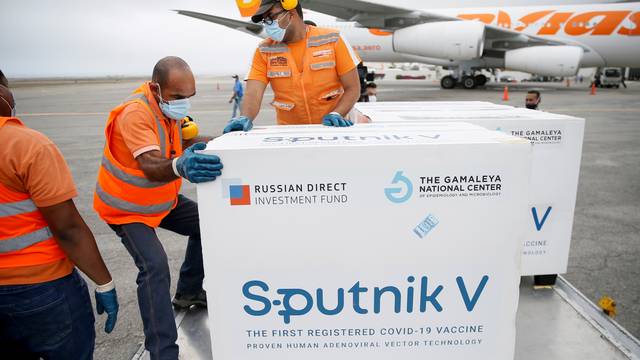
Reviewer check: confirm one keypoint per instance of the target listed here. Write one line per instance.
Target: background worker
(372, 92)
(138, 190)
(312, 71)
(532, 100)
(45, 308)
(236, 97)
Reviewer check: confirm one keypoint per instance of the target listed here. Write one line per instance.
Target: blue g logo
(394, 194)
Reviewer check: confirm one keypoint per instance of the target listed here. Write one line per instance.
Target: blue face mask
(174, 109)
(275, 32)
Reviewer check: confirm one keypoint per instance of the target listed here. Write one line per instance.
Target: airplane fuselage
(609, 32)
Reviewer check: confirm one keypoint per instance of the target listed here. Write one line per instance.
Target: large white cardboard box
(557, 152)
(355, 244)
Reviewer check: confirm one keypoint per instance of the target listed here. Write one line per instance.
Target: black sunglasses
(268, 19)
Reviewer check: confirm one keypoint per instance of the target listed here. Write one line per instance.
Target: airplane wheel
(468, 82)
(448, 82)
(480, 79)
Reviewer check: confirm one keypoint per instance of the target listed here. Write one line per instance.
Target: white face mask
(373, 98)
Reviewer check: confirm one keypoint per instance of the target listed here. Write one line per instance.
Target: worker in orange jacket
(137, 191)
(312, 71)
(45, 309)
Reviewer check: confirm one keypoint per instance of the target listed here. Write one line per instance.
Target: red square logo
(240, 195)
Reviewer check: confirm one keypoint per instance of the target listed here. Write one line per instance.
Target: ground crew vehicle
(610, 77)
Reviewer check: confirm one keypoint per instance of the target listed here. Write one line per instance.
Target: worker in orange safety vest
(312, 71)
(138, 190)
(45, 307)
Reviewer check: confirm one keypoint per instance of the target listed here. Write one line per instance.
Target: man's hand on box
(197, 168)
(241, 123)
(335, 119)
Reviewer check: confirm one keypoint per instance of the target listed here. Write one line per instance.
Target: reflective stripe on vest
(323, 65)
(127, 206)
(24, 241)
(325, 36)
(322, 39)
(134, 180)
(274, 48)
(282, 105)
(17, 208)
(275, 74)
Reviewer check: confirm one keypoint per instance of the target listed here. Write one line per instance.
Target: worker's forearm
(252, 99)
(204, 138)
(78, 243)
(346, 102)
(156, 168)
(250, 108)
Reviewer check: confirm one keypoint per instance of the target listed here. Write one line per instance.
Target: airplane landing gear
(448, 82)
(480, 79)
(468, 81)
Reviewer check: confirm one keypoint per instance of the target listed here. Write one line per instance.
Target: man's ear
(155, 90)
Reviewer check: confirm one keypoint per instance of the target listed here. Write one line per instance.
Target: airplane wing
(372, 15)
(243, 26)
(390, 18)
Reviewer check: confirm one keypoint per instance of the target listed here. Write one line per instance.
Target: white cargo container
(557, 152)
(554, 324)
(362, 244)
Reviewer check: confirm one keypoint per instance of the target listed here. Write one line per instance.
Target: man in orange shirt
(138, 191)
(45, 309)
(312, 71)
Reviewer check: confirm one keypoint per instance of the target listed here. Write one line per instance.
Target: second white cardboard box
(557, 153)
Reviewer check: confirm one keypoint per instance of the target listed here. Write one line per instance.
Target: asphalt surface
(605, 249)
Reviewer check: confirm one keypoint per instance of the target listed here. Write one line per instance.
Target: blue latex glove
(198, 168)
(335, 119)
(241, 123)
(108, 301)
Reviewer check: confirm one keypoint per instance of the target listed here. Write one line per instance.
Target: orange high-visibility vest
(124, 195)
(28, 251)
(304, 96)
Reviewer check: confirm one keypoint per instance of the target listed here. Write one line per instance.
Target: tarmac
(605, 249)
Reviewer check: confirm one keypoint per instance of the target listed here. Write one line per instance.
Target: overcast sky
(80, 38)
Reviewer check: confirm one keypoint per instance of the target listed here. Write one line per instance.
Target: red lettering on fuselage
(635, 19)
(504, 20)
(554, 24)
(610, 20)
(592, 23)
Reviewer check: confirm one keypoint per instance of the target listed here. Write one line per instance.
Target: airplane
(546, 40)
